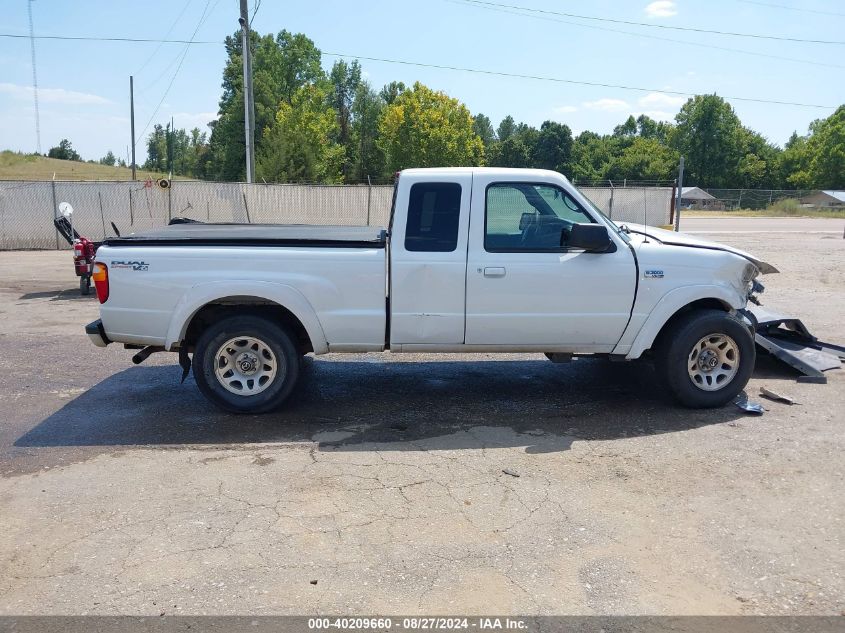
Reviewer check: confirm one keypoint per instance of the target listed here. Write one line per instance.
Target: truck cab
(482, 260)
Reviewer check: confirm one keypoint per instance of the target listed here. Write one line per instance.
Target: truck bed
(229, 234)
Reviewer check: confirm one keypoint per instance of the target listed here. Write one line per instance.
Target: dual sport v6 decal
(136, 266)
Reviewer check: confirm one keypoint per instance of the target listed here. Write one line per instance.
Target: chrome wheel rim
(713, 362)
(245, 365)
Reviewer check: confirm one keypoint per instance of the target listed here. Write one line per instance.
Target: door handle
(498, 271)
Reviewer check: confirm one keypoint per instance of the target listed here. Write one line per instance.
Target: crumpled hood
(684, 239)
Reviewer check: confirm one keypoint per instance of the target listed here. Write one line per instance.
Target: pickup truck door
(525, 289)
(428, 249)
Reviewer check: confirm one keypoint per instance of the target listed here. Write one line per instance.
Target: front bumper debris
(788, 339)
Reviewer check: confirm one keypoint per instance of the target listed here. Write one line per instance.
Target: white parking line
(794, 231)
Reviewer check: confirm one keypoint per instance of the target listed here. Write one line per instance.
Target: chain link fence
(759, 199)
(27, 209)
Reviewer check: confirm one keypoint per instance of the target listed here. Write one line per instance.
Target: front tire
(246, 364)
(705, 358)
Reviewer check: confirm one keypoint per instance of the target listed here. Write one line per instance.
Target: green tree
(157, 151)
(592, 156)
(709, 135)
(366, 112)
(760, 164)
(795, 163)
(628, 128)
(643, 159)
(512, 152)
(64, 151)
(553, 147)
(424, 128)
(280, 66)
(391, 91)
(649, 128)
(345, 81)
(187, 152)
(301, 144)
(109, 159)
(826, 148)
(482, 126)
(506, 128)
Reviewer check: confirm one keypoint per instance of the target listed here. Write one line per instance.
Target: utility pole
(249, 110)
(170, 149)
(132, 120)
(680, 195)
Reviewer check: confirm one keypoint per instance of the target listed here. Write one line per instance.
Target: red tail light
(101, 281)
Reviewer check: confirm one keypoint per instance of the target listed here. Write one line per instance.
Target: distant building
(696, 198)
(824, 199)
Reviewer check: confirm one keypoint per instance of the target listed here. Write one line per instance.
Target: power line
(783, 6)
(188, 43)
(169, 31)
(655, 26)
(656, 37)
(443, 67)
(567, 81)
(85, 38)
(178, 68)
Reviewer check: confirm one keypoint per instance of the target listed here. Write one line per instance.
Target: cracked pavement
(413, 484)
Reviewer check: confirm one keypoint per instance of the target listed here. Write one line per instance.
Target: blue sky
(84, 85)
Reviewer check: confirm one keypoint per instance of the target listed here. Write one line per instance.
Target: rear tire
(705, 358)
(246, 364)
(85, 284)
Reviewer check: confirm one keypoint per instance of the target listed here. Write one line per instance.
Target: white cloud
(53, 95)
(659, 115)
(190, 120)
(607, 105)
(661, 9)
(566, 109)
(660, 100)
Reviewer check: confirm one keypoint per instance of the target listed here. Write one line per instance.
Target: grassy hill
(17, 166)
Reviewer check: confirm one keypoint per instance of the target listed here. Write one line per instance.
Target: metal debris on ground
(773, 395)
(788, 339)
(510, 472)
(746, 405)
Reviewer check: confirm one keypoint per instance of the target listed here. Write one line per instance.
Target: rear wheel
(246, 364)
(85, 284)
(705, 358)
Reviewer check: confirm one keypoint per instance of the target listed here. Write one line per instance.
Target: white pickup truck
(475, 260)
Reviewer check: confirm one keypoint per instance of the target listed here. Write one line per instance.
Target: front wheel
(705, 358)
(246, 364)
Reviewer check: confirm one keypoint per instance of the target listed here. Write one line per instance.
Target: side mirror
(593, 238)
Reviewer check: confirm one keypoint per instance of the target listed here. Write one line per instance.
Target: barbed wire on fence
(27, 209)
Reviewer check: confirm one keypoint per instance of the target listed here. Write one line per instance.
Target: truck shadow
(366, 404)
(64, 294)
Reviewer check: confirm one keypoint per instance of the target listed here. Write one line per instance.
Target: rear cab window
(434, 210)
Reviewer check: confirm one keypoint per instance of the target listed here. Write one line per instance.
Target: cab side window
(433, 213)
(529, 217)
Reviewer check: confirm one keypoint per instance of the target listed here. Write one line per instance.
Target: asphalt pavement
(727, 225)
(417, 484)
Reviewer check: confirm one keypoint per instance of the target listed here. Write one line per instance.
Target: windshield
(608, 221)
